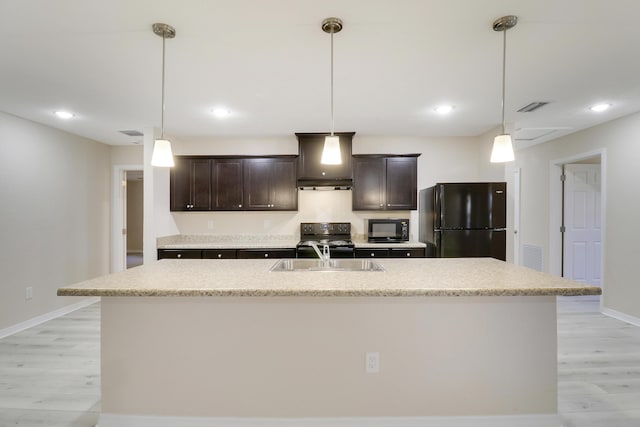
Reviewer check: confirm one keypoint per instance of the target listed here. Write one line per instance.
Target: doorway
(126, 177)
(133, 218)
(577, 231)
(582, 221)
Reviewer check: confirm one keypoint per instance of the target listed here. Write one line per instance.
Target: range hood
(309, 184)
(313, 175)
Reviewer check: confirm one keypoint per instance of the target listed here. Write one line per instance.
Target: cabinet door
(227, 184)
(257, 185)
(190, 185)
(371, 253)
(311, 146)
(407, 253)
(266, 253)
(270, 184)
(179, 253)
(368, 183)
(401, 183)
(180, 185)
(284, 193)
(200, 184)
(218, 253)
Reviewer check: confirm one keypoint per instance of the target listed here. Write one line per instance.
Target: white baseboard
(537, 420)
(47, 316)
(621, 316)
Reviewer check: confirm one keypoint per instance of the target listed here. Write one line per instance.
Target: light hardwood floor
(50, 374)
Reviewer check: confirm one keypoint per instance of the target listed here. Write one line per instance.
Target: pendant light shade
(162, 155)
(502, 149)
(331, 151)
(502, 145)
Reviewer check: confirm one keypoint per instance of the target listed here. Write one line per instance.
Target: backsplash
(313, 206)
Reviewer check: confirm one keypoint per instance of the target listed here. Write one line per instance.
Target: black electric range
(336, 235)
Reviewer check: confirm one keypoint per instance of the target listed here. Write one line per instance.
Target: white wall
(55, 215)
(442, 159)
(620, 139)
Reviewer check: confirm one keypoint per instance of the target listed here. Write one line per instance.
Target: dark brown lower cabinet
(226, 253)
(371, 253)
(407, 253)
(389, 253)
(266, 253)
(179, 253)
(219, 253)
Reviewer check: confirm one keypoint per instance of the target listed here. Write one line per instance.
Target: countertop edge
(464, 292)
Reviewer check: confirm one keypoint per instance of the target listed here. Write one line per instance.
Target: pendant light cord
(332, 121)
(504, 67)
(164, 38)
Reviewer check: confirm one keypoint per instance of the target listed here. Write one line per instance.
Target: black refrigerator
(465, 219)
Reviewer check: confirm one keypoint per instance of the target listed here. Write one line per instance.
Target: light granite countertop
(250, 242)
(416, 277)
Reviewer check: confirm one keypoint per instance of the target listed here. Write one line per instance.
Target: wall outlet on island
(372, 362)
(28, 293)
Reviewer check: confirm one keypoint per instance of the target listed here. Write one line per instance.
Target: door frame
(555, 209)
(118, 215)
(516, 214)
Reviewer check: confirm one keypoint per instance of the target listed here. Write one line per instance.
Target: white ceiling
(268, 62)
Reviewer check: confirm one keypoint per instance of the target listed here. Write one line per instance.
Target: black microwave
(387, 230)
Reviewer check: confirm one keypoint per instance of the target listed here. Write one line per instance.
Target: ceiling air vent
(131, 132)
(532, 107)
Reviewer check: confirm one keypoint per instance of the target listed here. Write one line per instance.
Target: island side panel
(305, 356)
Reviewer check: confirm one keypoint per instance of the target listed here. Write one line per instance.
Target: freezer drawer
(471, 243)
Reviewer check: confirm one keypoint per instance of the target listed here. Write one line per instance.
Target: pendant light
(162, 155)
(331, 151)
(502, 145)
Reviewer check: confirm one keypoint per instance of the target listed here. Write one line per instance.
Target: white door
(582, 240)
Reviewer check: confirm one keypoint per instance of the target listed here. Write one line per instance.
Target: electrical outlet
(372, 362)
(210, 224)
(28, 293)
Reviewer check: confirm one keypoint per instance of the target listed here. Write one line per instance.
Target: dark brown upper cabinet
(311, 173)
(385, 182)
(227, 189)
(190, 184)
(269, 184)
(209, 183)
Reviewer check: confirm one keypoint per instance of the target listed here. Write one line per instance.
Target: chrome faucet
(324, 256)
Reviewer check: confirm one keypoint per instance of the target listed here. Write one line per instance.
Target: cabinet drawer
(266, 253)
(372, 253)
(219, 253)
(407, 253)
(179, 253)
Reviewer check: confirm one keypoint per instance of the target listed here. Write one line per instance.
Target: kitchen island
(451, 342)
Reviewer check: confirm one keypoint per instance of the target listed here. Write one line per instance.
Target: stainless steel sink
(340, 264)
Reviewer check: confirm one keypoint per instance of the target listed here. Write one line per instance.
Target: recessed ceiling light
(598, 108)
(221, 113)
(65, 115)
(444, 109)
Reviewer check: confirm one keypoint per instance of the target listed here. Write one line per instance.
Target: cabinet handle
(219, 255)
(372, 255)
(408, 253)
(381, 204)
(179, 256)
(266, 255)
(388, 204)
(239, 206)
